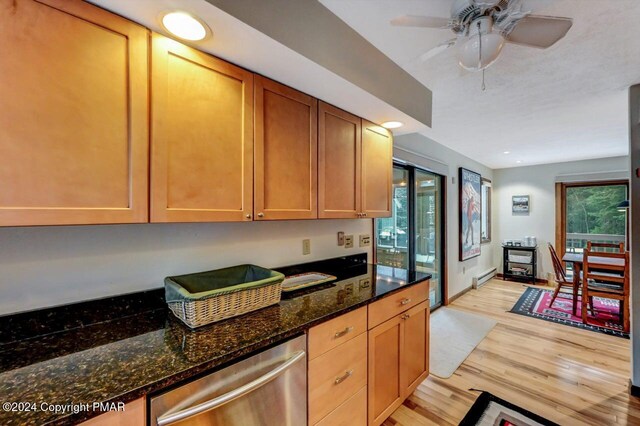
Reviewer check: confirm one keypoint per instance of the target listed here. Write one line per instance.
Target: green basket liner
(204, 285)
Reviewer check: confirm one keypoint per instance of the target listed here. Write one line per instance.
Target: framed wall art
(520, 204)
(470, 210)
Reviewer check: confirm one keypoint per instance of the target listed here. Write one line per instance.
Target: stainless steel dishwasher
(269, 388)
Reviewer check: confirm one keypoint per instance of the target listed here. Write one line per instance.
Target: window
(589, 212)
(412, 237)
(485, 227)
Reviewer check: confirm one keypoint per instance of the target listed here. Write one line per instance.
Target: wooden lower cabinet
(415, 348)
(134, 414)
(336, 376)
(398, 358)
(394, 352)
(353, 412)
(385, 358)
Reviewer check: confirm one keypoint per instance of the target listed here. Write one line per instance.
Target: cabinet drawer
(330, 334)
(390, 306)
(336, 376)
(351, 413)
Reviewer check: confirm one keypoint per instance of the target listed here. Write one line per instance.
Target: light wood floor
(568, 375)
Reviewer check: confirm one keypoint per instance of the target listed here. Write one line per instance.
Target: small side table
(522, 266)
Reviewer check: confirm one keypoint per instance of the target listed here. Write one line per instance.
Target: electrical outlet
(306, 246)
(340, 238)
(349, 288)
(365, 240)
(348, 241)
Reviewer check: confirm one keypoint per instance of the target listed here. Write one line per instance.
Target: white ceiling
(568, 102)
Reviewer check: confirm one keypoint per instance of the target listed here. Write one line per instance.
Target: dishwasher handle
(168, 419)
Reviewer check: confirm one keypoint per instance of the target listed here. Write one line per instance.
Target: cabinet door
(415, 351)
(134, 414)
(286, 152)
(377, 168)
(202, 137)
(385, 388)
(339, 144)
(73, 115)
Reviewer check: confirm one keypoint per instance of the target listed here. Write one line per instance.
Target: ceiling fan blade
(539, 31)
(420, 21)
(437, 50)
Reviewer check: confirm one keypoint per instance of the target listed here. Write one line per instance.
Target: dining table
(577, 259)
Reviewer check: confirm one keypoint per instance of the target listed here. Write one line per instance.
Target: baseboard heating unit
(484, 277)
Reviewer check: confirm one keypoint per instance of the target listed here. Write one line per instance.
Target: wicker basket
(206, 297)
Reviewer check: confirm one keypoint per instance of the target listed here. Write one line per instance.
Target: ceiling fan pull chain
(480, 56)
(479, 47)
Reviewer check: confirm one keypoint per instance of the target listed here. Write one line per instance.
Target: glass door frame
(411, 231)
(561, 209)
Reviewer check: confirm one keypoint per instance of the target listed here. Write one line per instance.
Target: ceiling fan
(482, 27)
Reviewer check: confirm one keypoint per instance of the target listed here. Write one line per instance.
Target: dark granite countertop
(121, 348)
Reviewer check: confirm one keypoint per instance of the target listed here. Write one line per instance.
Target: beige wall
(48, 266)
(539, 183)
(424, 152)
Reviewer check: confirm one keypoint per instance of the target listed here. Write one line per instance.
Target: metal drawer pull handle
(216, 402)
(344, 377)
(405, 301)
(343, 332)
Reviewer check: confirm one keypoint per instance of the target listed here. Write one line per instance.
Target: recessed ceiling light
(507, 152)
(519, 161)
(392, 124)
(185, 26)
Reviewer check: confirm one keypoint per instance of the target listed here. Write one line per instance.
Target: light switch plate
(306, 246)
(365, 240)
(348, 241)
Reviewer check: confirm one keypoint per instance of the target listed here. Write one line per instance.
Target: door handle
(216, 402)
(344, 377)
(343, 332)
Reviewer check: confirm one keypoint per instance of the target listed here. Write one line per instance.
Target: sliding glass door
(429, 229)
(392, 232)
(413, 237)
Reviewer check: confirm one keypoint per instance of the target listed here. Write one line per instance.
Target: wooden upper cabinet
(339, 150)
(377, 169)
(286, 144)
(202, 136)
(73, 115)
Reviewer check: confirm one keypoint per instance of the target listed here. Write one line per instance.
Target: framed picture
(520, 204)
(470, 210)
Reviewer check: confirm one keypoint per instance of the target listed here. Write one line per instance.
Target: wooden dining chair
(593, 245)
(606, 275)
(563, 281)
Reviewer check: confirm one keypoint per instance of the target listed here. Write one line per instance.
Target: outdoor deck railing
(576, 243)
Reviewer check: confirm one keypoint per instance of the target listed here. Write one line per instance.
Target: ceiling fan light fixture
(471, 58)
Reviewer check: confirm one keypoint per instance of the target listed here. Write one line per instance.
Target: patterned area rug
(535, 303)
(489, 410)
